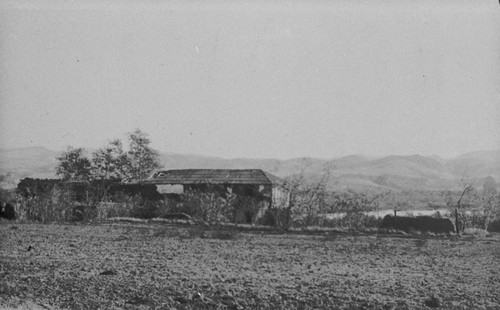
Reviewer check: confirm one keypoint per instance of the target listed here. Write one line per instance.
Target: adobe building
(242, 182)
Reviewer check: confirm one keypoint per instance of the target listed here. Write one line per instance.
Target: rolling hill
(356, 172)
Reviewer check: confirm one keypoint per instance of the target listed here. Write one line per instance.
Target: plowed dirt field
(158, 266)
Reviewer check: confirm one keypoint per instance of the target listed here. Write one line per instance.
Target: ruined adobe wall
(419, 223)
(29, 187)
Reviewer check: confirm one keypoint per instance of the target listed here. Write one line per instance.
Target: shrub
(473, 219)
(8, 199)
(355, 221)
(268, 219)
(475, 232)
(279, 218)
(122, 205)
(55, 206)
(494, 226)
(245, 209)
(209, 207)
(168, 206)
(106, 210)
(144, 210)
(369, 221)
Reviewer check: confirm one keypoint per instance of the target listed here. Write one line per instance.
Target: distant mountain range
(415, 172)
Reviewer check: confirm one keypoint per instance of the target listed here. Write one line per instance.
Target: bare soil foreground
(158, 266)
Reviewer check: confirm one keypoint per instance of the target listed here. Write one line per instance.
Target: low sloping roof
(211, 176)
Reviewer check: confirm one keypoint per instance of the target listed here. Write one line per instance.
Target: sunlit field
(159, 266)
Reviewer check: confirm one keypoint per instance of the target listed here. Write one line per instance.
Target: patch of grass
(476, 232)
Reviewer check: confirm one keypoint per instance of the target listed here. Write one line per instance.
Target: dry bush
(302, 200)
(8, 199)
(354, 221)
(474, 208)
(494, 226)
(246, 210)
(475, 232)
(107, 210)
(209, 208)
(144, 209)
(55, 206)
(122, 205)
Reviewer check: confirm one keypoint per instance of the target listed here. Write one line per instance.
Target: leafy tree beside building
(111, 161)
(73, 165)
(142, 159)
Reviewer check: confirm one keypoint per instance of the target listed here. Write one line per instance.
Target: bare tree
(490, 204)
(354, 205)
(489, 201)
(459, 210)
(473, 208)
(303, 199)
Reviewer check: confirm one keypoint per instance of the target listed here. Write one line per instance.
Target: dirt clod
(108, 273)
(433, 302)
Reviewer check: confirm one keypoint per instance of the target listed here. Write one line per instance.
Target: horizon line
(271, 158)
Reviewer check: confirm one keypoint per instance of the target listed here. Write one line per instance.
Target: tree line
(111, 161)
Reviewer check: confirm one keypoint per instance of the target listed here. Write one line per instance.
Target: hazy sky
(263, 79)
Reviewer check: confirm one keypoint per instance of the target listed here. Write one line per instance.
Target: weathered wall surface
(36, 187)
